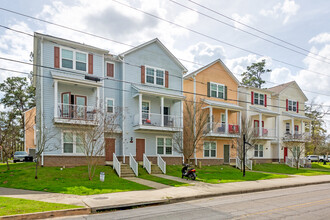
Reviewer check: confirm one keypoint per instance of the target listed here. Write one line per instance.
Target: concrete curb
(49, 214)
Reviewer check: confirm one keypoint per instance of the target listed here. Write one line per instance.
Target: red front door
(285, 153)
(140, 149)
(110, 146)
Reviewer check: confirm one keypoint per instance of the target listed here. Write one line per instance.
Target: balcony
(153, 121)
(264, 134)
(75, 114)
(219, 130)
(296, 137)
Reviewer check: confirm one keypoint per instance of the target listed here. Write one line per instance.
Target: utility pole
(244, 155)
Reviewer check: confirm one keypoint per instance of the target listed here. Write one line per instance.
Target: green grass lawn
(144, 175)
(222, 174)
(69, 180)
(13, 206)
(321, 166)
(282, 168)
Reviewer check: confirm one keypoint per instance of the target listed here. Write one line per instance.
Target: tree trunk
(8, 168)
(36, 174)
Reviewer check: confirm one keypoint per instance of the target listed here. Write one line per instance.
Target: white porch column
(162, 111)
(181, 116)
(276, 126)
(292, 126)
(211, 118)
(301, 125)
(310, 128)
(260, 124)
(226, 128)
(98, 97)
(55, 98)
(240, 122)
(140, 109)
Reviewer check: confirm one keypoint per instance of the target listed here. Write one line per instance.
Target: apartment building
(216, 87)
(74, 81)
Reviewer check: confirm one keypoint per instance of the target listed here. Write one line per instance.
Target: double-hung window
(210, 149)
(73, 143)
(292, 105)
(155, 76)
(110, 105)
(74, 60)
(164, 146)
(217, 90)
(259, 99)
(145, 110)
(259, 150)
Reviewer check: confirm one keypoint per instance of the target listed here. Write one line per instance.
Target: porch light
(131, 141)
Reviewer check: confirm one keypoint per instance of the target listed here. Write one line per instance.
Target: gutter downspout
(123, 105)
(195, 117)
(41, 97)
(278, 129)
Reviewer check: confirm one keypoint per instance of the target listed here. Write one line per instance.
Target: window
(155, 76)
(110, 105)
(164, 146)
(259, 150)
(292, 105)
(287, 127)
(73, 143)
(145, 110)
(74, 60)
(259, 99)
(223, 119)
(217, 90)
(296, 152)
(210, 149)
(110, 69)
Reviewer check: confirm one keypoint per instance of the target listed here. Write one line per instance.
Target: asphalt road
(307, 202)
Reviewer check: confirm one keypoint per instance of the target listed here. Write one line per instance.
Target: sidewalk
(165, 195)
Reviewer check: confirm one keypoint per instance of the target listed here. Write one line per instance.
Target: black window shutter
(225, 92)
(208, 89)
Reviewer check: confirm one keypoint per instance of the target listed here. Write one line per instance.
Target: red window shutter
(297, 107)
(143, 72)
(110, 69)
(252, 98)
(90, 63)
(287, 104)
(265, 100)
(166, 79)
(56, 57)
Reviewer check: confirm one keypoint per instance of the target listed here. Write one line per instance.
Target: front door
(285, 153)
(140, 149)
(226, 153)
(110, 146)
(166, 116)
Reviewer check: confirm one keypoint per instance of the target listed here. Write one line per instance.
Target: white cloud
(321, 38)
(284, 10)
(245, 19)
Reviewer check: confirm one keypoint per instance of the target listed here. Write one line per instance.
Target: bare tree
(195, 120)
(297, 150)
(90, 134)
(249, 132)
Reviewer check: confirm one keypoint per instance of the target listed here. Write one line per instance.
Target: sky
(295, 43)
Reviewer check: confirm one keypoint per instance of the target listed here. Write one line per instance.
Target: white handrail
(134, 165)
(116, 164)
(238, 163)
(146, 164)
(249, 164)
(161, 164)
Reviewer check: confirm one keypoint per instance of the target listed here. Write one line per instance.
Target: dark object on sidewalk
(189, 173)
(28, 159)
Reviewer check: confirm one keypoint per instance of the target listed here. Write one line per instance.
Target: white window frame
(259, 99)
(106, 66)
(113, 106)
(216, 153)
(164, 154)
(149, 108)
(74, 141)
(155, 75)
(224, 115)
(74, 59)
(217, 96)
(263, 151)
(292, 105)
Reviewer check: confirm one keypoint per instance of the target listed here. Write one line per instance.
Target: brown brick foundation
(265, 160)
(68, 161)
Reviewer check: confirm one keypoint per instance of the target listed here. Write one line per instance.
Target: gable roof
(282, 87)
(209, 65)
(157, 41)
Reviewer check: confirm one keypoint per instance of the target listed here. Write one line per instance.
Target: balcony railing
(219, 128)
(76, 112)
(265, 132)
(153, 119)
(297, 136)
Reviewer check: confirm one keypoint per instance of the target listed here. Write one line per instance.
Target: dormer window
(259, 99)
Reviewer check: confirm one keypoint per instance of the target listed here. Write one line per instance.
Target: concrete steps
(155, 169)
(126, 171)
